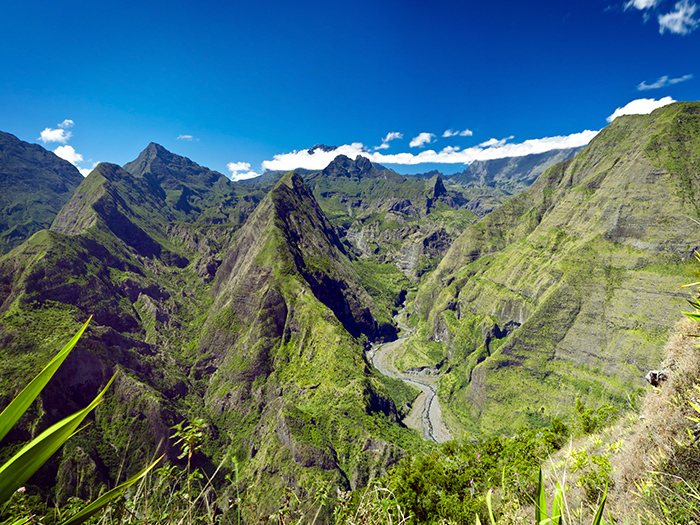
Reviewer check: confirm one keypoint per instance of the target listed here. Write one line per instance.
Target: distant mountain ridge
(511, 174)
(34, 185)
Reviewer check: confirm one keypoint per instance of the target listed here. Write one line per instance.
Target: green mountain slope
(260, 329)
(283, 347)
(564, 290)
(34, 185)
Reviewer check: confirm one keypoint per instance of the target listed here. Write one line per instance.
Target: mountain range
(525, 283)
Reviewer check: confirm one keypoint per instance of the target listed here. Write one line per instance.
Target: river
(426, 415)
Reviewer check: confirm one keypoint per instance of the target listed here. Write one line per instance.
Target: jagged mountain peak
(288, 228)
(172, 170)
(435, 186)
(322, 147)
(361, 167)
(154, 150)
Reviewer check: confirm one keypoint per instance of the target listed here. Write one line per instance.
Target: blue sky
(249, 85)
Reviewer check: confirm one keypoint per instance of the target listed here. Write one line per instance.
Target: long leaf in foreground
(27, 461)
(20, 404)
(597, 520)
(108, 497)
(540, 501)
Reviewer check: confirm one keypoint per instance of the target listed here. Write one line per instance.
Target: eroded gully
(425, 416)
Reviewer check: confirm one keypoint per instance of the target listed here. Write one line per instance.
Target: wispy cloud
(421, 140)
(662, 82)
(392, 135)
(682, 21)
(641, 106)
(495, 143)
(241, 171)
(641, 4)
(188, 138)
(492, 149)
(451, 133)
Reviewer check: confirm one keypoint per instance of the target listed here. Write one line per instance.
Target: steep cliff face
(34, 185)
(583, 269)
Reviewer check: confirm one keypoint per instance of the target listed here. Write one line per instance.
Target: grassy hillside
(568, 288)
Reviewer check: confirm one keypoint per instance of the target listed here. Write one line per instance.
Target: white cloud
(69, 154)
(317, 160)
(55, 135)
(663, 82)
(641, 106)
(464, 133)
(241, 171)
(421, 140)
(392, 135)
(495, 143)
(449, 155)
(681, 21)
(641, 4)
(188, 138)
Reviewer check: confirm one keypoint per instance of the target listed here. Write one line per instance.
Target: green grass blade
(599, 515)
(488, 505)
(108, 497)
(694, 316)
(540, 501)
(478, 521)
(20, 404)
(558, 506)
(27, 461)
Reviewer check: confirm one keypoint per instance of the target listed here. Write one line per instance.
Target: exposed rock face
(587, 261)
(34, 185)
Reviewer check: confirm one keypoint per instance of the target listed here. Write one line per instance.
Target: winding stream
(425, 416)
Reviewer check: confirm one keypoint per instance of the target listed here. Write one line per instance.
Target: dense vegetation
(242, 319)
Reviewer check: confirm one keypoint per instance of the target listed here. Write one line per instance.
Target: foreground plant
(558, 507)
(21, 466)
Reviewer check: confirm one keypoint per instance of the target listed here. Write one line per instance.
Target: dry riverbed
(425, 415)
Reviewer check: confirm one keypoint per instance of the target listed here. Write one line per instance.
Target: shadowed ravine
(425, 416)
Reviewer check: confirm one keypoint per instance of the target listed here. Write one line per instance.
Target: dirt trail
(425, 416)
